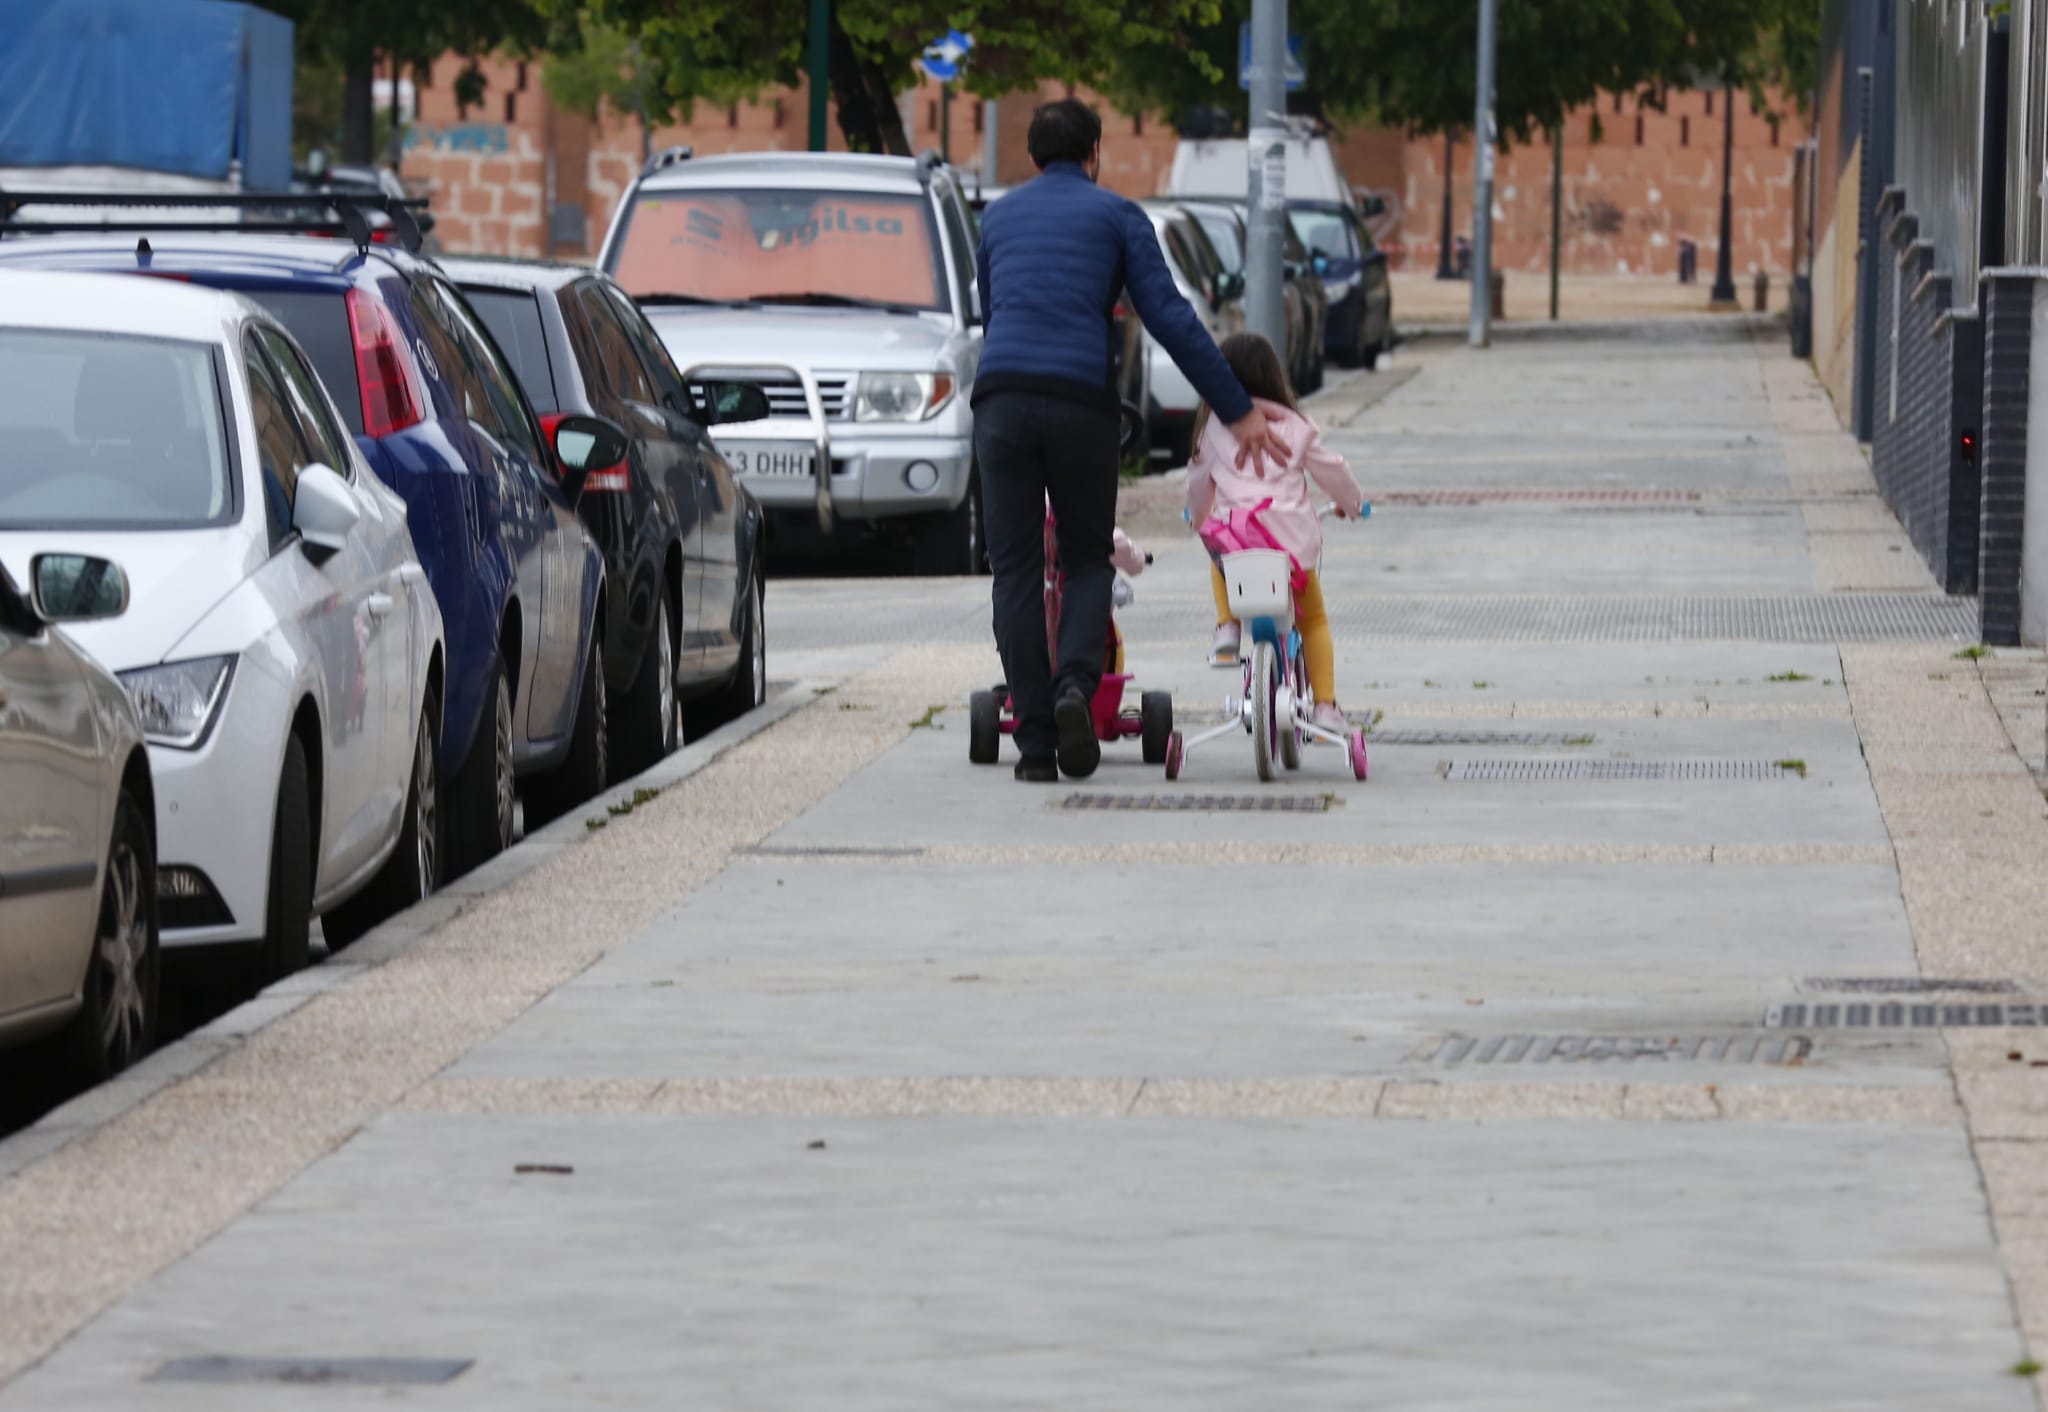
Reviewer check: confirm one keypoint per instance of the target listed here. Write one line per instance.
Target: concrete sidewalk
(1657, 1029)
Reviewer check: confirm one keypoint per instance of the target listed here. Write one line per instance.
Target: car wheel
(480, 805)
(117, 1023)
(748, 686)
(951, 542)
(648, 725)
(587, 769)
(413, 869)
(288, 915)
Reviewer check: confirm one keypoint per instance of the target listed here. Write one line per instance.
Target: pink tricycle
(989, 717)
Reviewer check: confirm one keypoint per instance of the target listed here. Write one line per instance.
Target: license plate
(771, 459)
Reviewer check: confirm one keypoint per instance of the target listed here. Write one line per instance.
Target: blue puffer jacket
(1054, 255)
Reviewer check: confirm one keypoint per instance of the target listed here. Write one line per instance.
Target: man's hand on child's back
(1256, 440)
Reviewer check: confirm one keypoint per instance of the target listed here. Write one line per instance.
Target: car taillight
(391, 399)
(616, 479)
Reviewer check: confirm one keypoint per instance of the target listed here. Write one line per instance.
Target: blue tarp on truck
(182, 86)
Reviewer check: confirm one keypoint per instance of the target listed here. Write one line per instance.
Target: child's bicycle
(990, 717)
(1277, 707)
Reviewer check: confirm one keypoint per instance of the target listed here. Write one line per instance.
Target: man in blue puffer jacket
(1054, 256)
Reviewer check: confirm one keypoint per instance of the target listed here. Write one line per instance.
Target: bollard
(1763, 292)
(1499, 295)
(1688, 260)
(1802, 316)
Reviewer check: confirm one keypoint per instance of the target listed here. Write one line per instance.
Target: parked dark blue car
(442, 420)
(1354, 272)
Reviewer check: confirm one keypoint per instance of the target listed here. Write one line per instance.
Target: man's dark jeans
(1032, 448)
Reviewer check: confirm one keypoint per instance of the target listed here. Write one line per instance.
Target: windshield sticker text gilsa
(830, 220)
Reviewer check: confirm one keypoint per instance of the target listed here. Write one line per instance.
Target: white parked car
(1217, 297)
(280, 644)
(78, 937)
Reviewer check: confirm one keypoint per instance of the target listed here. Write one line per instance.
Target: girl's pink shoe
(1330, 717)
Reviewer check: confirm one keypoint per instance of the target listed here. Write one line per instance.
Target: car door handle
(378, 605)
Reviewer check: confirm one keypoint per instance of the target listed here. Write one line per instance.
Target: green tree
(729, 48)
(355, 34)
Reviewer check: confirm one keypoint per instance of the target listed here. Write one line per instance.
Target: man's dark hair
(1065, 131)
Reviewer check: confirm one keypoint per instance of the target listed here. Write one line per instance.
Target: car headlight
(900, 397)
(179, 700)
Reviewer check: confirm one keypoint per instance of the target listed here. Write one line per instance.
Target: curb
(186, 1056)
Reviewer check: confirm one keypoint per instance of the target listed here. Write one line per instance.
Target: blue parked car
(1354, 274)
(490, 502)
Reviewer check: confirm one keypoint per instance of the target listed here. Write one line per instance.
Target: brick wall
(495, 169)
(2008, 303)
(1633, 184)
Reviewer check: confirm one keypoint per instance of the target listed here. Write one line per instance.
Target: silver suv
(843, 285)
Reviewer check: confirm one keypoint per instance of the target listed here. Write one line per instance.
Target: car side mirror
(584, 444)
(76, 588)
(1230, 285)
(728, 402)
(1320, 263)
(324, 509)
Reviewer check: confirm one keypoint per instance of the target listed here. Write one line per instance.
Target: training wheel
(1357, 753)
(1176, 751)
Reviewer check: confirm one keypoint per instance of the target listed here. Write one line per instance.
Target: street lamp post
(1266, 179)
(820, 68)
(1444, 268)
(1724, 261)
(1482, 184)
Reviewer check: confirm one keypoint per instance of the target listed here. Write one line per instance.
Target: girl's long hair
(1258, 368)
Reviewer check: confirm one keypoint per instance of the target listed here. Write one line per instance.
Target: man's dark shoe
(1080, 751)
(1043, 769)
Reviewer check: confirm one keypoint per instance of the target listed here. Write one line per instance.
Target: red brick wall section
(1626, 203)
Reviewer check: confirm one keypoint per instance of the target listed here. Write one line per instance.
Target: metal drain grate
(1455, 1051)
(1907, 1015)
(1545, 771)
(1202, 803)
(1908, 985)
(352, 1372)
(1584, 495)
(1457, 737)
(827, 851)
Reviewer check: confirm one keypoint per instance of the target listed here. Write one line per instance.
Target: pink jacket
(1216, 486)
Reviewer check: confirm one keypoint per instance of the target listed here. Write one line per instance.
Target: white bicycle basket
(1261, 585)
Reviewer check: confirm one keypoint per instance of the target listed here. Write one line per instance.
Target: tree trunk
(867, 108)
(358, 110)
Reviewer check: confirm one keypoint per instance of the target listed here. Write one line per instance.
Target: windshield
(1324, 232)
(783, 246)
(109, 431)
(1222, 232)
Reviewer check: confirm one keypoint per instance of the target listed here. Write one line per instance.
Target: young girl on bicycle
(1280, 493)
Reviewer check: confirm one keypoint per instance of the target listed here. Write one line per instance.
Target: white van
(1215, 167)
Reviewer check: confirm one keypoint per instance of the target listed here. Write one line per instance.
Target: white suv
(281, 646)
(844, 286)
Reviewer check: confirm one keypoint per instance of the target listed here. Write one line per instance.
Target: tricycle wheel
(1175, 753)
(1358, 764)
(1265, 732)
(984, 728)
(1291, 733)
(1155, 721)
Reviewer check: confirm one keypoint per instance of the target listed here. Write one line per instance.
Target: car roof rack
(928, 161)
(665, 158)
(294, 210)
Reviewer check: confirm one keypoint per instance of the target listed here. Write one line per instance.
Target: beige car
(78, 932)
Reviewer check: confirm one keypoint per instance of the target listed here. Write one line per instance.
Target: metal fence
(1940, 129)
(2026, 155)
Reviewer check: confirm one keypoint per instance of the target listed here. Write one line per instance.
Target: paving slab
(999, 1263)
